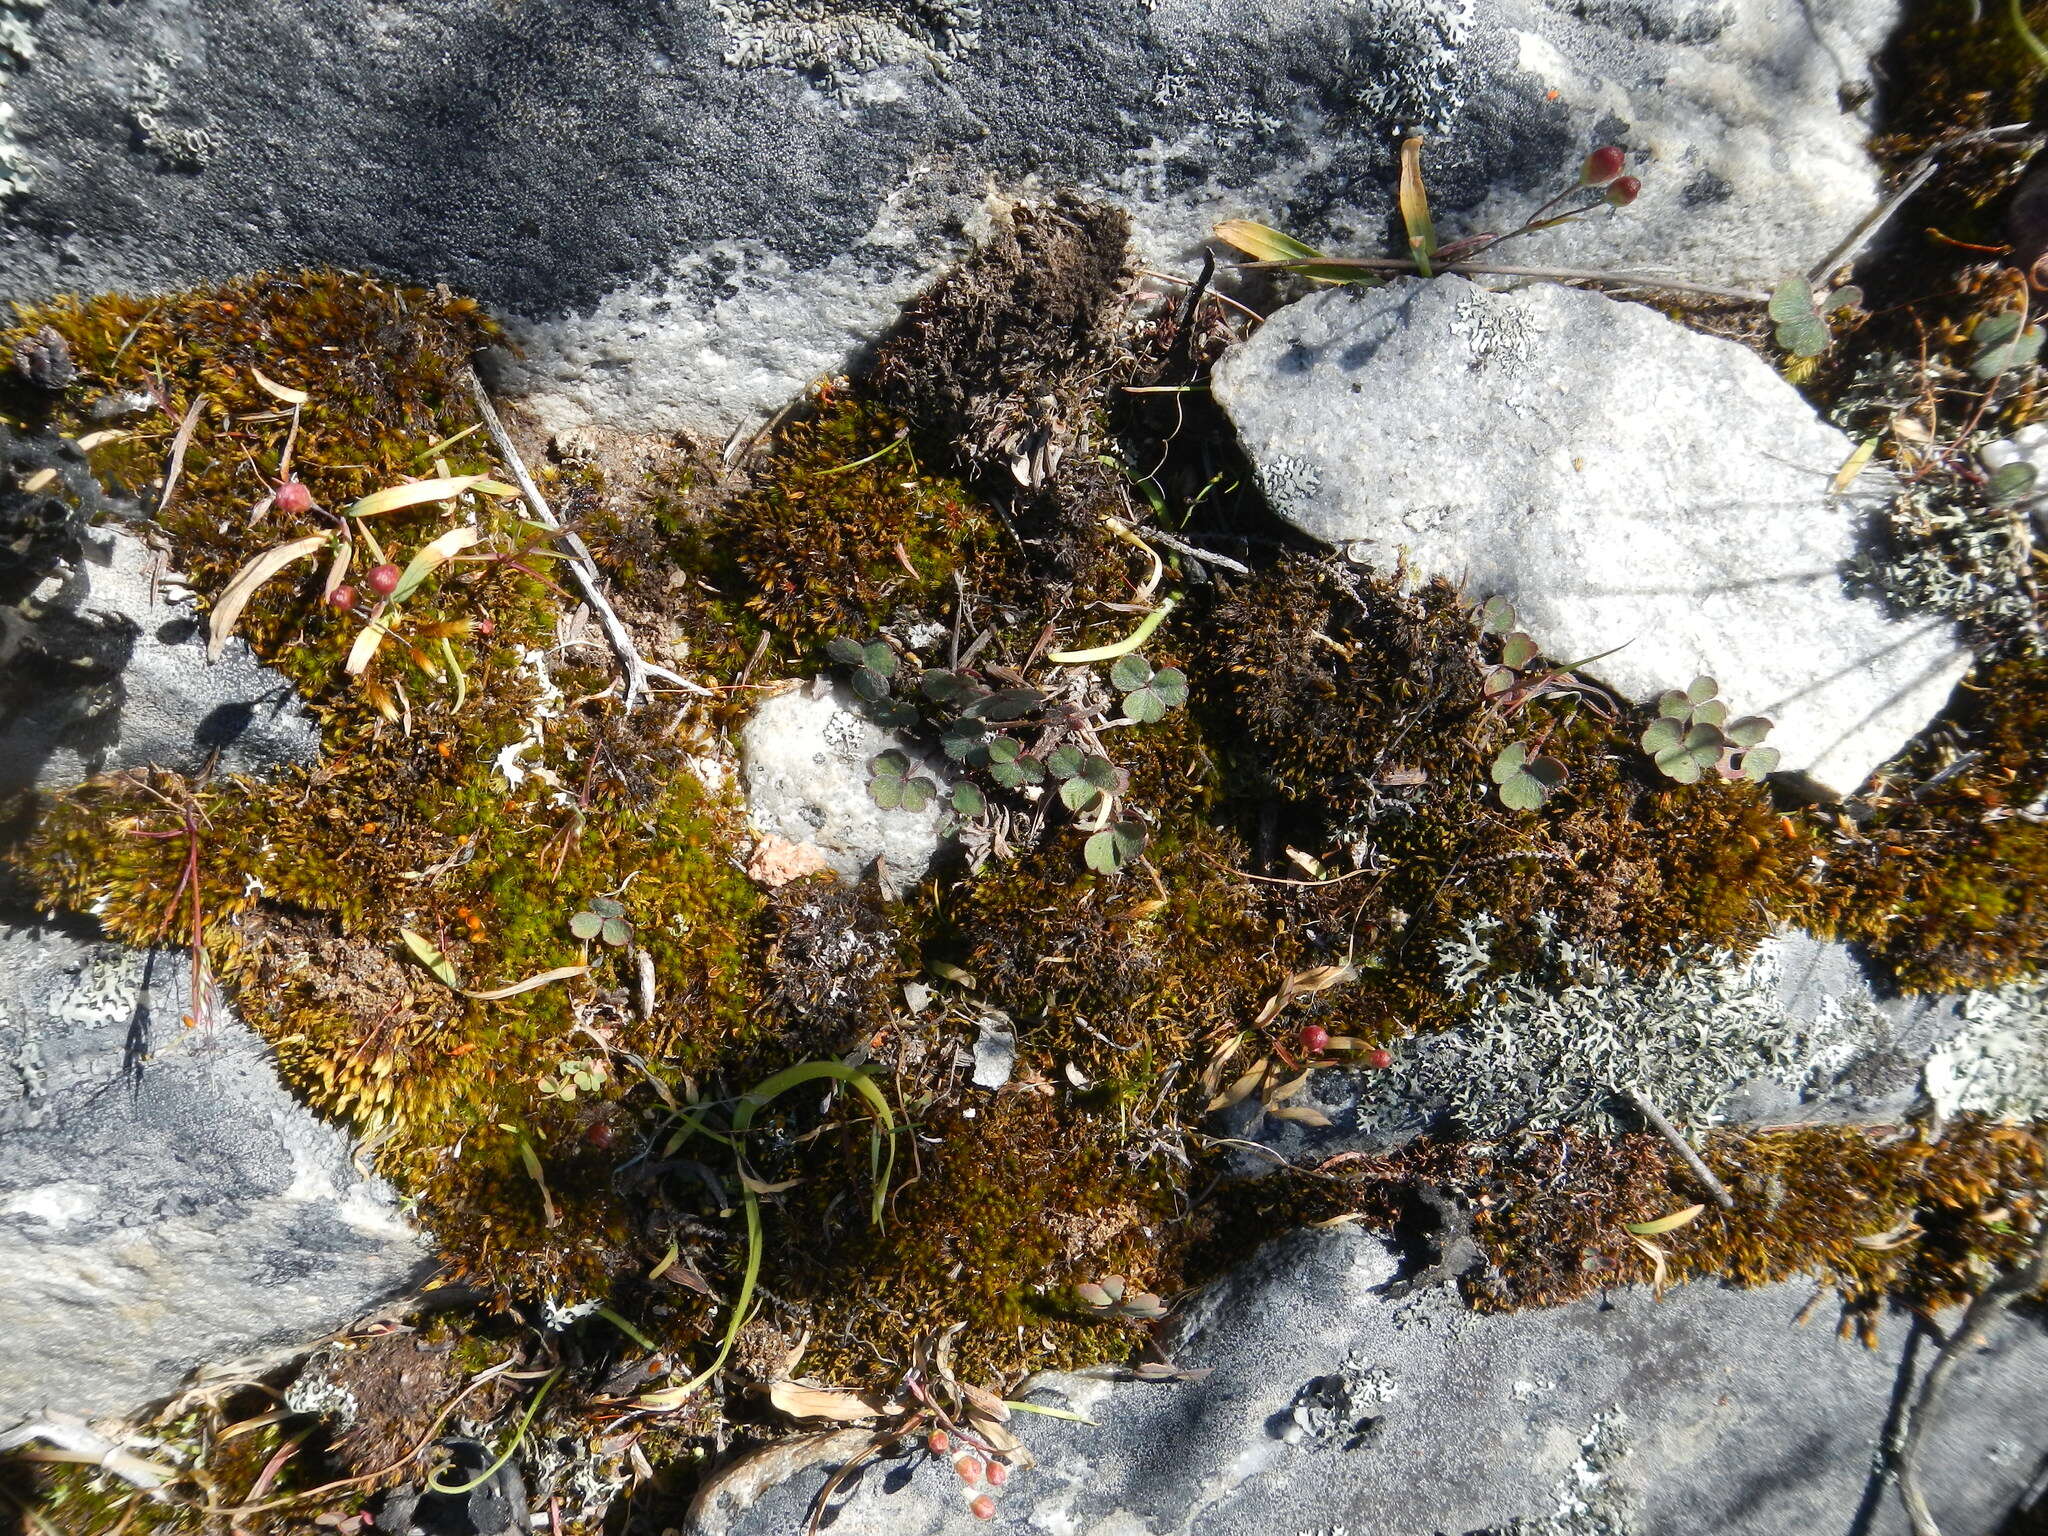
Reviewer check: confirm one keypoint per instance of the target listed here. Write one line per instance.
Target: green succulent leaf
(1518, 650)
(1509, 762)
(968, 801)
(1747, 731)
(615, 932)
(1130, 673)
(586, 926)
(1496, 616)
(848, 653)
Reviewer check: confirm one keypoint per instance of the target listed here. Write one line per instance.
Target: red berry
(1624, 191)
(1381, 1058)
(343, 597)
(983, 1508)
(382, 579)
(969, 1469)
(936, 1442)
(600, 1135)
(1602, 166)
(292, 498)
(998, 1474)
(1315, 1039)
(486, 626)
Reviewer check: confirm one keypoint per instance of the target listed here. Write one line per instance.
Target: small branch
(1655, 1118)
(636, 667)
(1985, 1308)
(1551, 274)
(1160, 536)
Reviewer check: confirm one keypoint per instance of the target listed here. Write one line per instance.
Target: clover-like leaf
(1674, 705)
(615, 932)
(848, 653)
(1130, 673)
(967, 800)
(1496, 616)
(607, 907)
(948, 688)
(1113, 847)
(586, 926)
(1498, 680)
(964, 740)
(2002, 345)
(869, 684)
(2010, 482)
(1092, 778)
(1747, 731)
(1713, 712)
(1662, 734)
(1791, 299)
(1526, 782)
(1759, 762)
(1006, 704)
(1167, 690)
(1065, 760)
(1518, 650)
(1701, 689)
(1009, 767)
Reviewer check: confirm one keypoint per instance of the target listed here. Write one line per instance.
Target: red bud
(343, 597)
(983, 1508)
(1315, 1039)
(1602, 166)
(1381, 1059)
(1623, 192)
(292, 498)
(936, 1442)
(969, 1468)
(383, 579)
(998, 1474)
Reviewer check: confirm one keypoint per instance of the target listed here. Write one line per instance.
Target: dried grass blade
(416, 493)
(227, 609)
(531, 984)
(802, 1402)
(278, 391)
(431, 557)
(179, 444)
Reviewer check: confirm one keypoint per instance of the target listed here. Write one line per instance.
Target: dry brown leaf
(227, 608)
(178, 446)
(776, 861)
(1243, 1088)
(1286, 1090)
(802, 1402)
(279, 391)
(1661, 1275)
(493, 994)
(1304, 1113)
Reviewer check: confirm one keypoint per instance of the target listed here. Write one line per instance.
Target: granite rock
(1332, 1407)
(1634, 488)
(164, 1202)
(688, 212)
(103, 667)
(804, 758)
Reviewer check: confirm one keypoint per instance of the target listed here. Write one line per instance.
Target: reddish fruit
(969, 1468)
(343, 597)
(936, 1442)
(382, 579)
(1382, 1058)
(292, 498)
(1624, 191)
(1315, 1039)
(599, 1135)
(998, 1474)
(983, 1508)
(1602, 166)
(486, 626)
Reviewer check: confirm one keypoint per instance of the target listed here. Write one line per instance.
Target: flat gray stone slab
(164, 1202)
(1334, 1409)
(1627, 483)
(690, 211)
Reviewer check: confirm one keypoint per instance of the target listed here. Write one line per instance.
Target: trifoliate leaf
(1130, 673)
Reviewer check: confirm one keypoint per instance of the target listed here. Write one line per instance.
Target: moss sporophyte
(1212, 835)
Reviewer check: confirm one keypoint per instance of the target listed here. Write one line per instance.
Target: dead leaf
(1242, 1089)
(494, 994)
(1661, 1276)
(1306, 1114)
(802, 1402)
(279, 391)
(1665, 1224)
(178, 446)
(227, 608)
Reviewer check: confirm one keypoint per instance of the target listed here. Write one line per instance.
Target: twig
(1985, 1308)
(636, 667)
(1160, 536)
(1924, 169)
(1552, 274)
(1683, 1148)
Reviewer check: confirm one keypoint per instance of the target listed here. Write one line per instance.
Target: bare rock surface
(688, 212)
(164, 1202)
(103, 666)
(804, 759)
(1631, 486)
(1332, 1407)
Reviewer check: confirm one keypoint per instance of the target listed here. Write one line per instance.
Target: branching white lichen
(17, 48)
(1553, 1047)
(1417, 79)
(1998, 1063)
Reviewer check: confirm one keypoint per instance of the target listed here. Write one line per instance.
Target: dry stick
(1680, 1145)
(1985, 1309)
(636, 667)
(1551, 274)
(1160, 536)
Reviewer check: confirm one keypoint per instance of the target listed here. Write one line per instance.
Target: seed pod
(1624, 191)
(1602, 166)
(292, 498)
(983, 1508)
(1314, 1039)
(382, 579)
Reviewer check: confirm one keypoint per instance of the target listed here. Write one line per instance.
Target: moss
(1948, 886)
